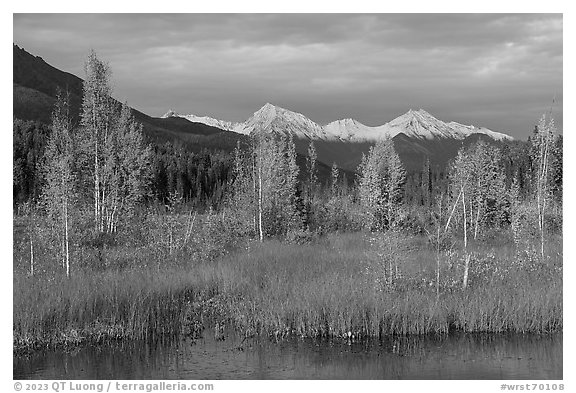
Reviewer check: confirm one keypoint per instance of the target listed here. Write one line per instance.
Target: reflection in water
(463, 356)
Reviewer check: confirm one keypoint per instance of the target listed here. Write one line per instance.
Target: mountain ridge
(417, 124)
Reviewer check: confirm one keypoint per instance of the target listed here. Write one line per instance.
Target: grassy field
(346, 285)
(385, 284)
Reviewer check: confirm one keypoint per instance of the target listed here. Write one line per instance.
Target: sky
(501, 71)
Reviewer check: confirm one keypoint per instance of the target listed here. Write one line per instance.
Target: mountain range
(417, 135)
(417, 124)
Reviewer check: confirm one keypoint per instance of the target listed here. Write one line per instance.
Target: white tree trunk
(542, 194)
(452, 212)
(66, 238)
(476, 223)
(438, 261)
(260, 201)
(466, 268)
(96, 185)
(465, 225)
(31, 257)
(466, 265)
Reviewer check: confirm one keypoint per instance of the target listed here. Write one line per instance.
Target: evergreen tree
(334, 180)
(29, 140)
(291, 198)
(382, 179)
(311, 167)
(556, 172)
(126, 173)
(426, 183)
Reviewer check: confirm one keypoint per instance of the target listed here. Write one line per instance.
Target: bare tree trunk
(31, 257)
(465, 225)
(96, 185)
(104, 211)
(66, 238)
(189, 229)
(260, 202)
(469, 210)
(438, 261)
(466, 268)
(467, 263)
(170, 240)
(390, 270)
(453, 210)
(542, 195)
(476, 223)
(254, 191)
(112, 219)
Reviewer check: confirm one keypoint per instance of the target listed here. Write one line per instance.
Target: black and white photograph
(200, 197)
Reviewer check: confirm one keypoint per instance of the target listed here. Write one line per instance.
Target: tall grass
(346, 284)
(92, 306)
(352, 285)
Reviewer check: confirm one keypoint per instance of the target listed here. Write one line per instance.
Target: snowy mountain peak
(170, 113)
(350, 130)
(222, 124)
(268, 110)
(347, 122)
(469, 130)
(418, 124)
(422, 125)
(273, 119)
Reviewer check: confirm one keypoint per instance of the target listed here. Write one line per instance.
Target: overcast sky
(498, 71)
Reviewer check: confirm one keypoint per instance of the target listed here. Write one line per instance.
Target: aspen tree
(97, 117)
(114, 143)
(541, 157)
(59, 193)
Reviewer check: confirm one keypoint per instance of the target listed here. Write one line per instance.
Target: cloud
(500, 71)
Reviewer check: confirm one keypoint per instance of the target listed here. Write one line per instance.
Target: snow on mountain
(414, 124)
(417, 124)
(420, 125)
(350, 130)
(271, 118)
(222, 124)
(480, 130)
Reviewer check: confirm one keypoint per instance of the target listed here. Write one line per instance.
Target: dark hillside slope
(35, 84)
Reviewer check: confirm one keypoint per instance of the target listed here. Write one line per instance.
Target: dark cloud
(496, 70)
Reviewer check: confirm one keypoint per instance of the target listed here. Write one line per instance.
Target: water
(462, 356)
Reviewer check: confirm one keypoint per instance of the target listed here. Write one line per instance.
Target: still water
(462, 356)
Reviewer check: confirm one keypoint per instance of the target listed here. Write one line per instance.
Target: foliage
(265, 188)
(112, 151)
(478, 188)
(28, 143)
(59, 194)
(382, 178)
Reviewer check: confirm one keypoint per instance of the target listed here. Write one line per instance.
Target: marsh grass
(375, 286)
(97, 306)
(342, 285)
